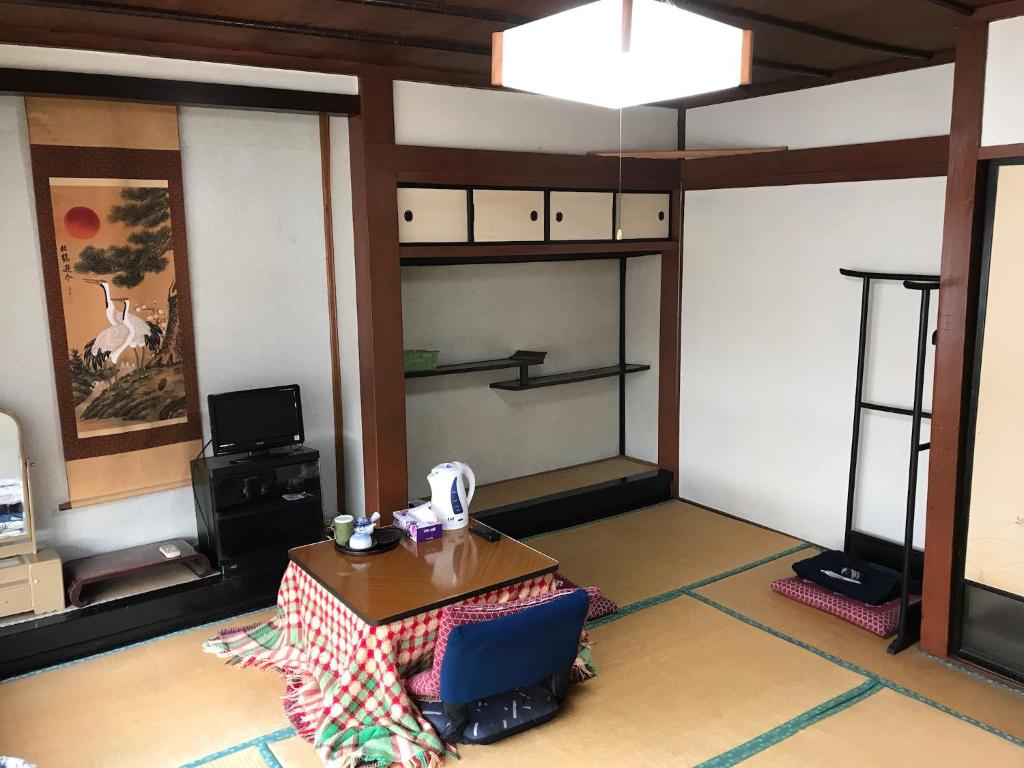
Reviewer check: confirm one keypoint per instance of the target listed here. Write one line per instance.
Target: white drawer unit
(13, 574)
(508, 215)
(580, 216)
(642, 215)
(16, 598)
(427, 215)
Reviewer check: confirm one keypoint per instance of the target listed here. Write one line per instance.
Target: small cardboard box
(419, 523)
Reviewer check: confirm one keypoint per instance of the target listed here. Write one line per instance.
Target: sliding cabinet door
(993, 588)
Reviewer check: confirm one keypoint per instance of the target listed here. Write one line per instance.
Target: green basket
(420, 359)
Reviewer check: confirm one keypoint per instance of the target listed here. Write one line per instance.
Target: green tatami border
(791, 727)
(261, 743)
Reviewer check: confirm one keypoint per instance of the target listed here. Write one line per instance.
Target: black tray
(383, 540)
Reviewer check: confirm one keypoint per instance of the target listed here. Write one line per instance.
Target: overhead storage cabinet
(427, 215)
(642, 215)
(508, 215)
(580, 216)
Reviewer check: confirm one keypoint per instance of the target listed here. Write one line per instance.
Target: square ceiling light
(619, 53)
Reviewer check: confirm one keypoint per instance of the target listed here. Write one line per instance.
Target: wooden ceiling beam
(954, 5)
(792, 69)
(445, 9)
(189, 17)
(724, 9)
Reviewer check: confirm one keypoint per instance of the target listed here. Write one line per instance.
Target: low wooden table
(413, 578)
(124, 562)
(349, 629)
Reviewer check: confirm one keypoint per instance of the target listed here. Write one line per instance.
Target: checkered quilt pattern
(344, 691)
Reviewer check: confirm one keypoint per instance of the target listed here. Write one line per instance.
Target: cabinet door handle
(407, 215)
(533, 215)
(661, 215)
(558, 216)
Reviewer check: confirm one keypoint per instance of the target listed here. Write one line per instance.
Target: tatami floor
(704, 665)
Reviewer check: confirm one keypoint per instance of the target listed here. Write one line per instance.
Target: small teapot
(362, 532)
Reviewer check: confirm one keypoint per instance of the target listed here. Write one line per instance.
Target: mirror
(17, 534)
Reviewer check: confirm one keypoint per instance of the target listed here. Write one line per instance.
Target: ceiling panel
(453, 46)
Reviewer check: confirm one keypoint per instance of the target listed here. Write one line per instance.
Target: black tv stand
(250, 513)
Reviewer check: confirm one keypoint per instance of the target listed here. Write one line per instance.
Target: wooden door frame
(958, 299)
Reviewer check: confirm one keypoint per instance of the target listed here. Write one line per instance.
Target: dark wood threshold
(579, 505)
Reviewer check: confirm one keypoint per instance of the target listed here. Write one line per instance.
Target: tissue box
(419, 523)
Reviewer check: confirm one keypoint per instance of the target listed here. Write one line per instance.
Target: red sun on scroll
(81, 222)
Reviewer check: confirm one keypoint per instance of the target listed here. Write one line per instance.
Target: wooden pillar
(378, 298)
(332, 310)
(669, 332)
(957, 299)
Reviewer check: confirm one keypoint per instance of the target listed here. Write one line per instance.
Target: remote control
(485, 533)
(169, 551)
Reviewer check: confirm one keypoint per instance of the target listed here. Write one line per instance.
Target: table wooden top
(413, 578)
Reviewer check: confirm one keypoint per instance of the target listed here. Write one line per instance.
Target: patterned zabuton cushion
(881, 620)
(599, 604)
(427, 685)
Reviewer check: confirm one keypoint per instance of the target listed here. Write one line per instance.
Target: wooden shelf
(520, 359)
(692, 154)
(486, 253)
(570, 377)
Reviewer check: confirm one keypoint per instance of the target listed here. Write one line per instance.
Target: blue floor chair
(505, 675)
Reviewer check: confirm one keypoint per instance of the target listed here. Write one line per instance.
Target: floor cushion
(496, 717)
(599, 604)
(881, 620)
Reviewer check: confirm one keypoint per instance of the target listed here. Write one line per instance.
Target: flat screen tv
(256, 420)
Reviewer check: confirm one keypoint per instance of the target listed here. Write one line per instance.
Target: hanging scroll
(110, 207)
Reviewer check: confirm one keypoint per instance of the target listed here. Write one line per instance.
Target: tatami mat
(645, 553)
(519, 489)
(888, 728)
(749, 594)
(663, 697)
(246, 758)
(679, 681)
(156, 704)
(295, 753)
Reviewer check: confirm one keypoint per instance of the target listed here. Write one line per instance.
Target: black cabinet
(250, 512)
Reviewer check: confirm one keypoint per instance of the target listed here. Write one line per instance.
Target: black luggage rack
(863, 545)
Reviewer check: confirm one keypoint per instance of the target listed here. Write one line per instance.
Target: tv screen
(256, 419)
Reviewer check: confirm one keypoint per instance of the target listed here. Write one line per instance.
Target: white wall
(256, 253)
(769, 350)
(643, 337)
(447, 116)
(1003, 121)
(900, 106)
(478, 312)
(105, 63)
(254, 207)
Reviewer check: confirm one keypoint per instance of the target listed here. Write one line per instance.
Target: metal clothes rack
(909, 629)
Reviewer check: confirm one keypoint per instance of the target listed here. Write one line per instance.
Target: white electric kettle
(449, 499)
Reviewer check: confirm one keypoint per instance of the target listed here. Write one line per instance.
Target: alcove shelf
(569, 377)
(520, 359)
